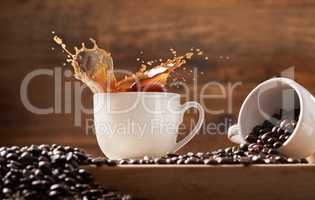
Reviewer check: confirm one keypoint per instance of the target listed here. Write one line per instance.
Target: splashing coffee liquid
(94, 67)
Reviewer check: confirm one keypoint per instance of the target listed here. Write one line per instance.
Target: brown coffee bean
(274, 130)
(251, 138)
(256, 148)
(265, 137)
(277, 144)
(244, 147)
(282, 138)
(224, 160)
(271, 140)
(160, 161)
(272, 151)
(283, 123)
(257, 159)
(170, 161)
(180, 161)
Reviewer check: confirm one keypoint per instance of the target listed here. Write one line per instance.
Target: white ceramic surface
(135, 124)
(267, 99)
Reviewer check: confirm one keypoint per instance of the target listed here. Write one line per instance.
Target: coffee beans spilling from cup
(274, 132)
(49, 172)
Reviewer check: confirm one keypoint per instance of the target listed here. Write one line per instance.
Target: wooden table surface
(222, 182)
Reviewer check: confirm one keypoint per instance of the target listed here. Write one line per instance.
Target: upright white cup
(268, 98)
(135, 124)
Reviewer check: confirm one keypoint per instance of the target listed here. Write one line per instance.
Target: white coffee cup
(265, 100)
(135, 124)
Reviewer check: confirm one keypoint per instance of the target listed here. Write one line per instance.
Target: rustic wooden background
(247, 41)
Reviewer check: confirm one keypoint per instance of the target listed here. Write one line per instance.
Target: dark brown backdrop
(261, 38)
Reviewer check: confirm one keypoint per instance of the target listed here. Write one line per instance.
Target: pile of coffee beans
(49, 172)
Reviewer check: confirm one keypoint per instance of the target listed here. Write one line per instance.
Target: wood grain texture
(224, 182)
(259, 38)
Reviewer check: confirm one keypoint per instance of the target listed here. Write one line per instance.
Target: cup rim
(286, 81)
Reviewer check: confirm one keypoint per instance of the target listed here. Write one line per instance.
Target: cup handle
(234, 134)
(185, 107)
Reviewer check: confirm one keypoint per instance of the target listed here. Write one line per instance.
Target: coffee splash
(94, 67)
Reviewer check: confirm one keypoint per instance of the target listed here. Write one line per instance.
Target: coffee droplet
(58, 40)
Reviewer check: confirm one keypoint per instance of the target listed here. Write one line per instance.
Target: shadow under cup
(134, 124)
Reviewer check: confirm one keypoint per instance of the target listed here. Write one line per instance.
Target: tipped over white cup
(268, 98)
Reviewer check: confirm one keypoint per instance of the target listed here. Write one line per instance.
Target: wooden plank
(226, 182)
